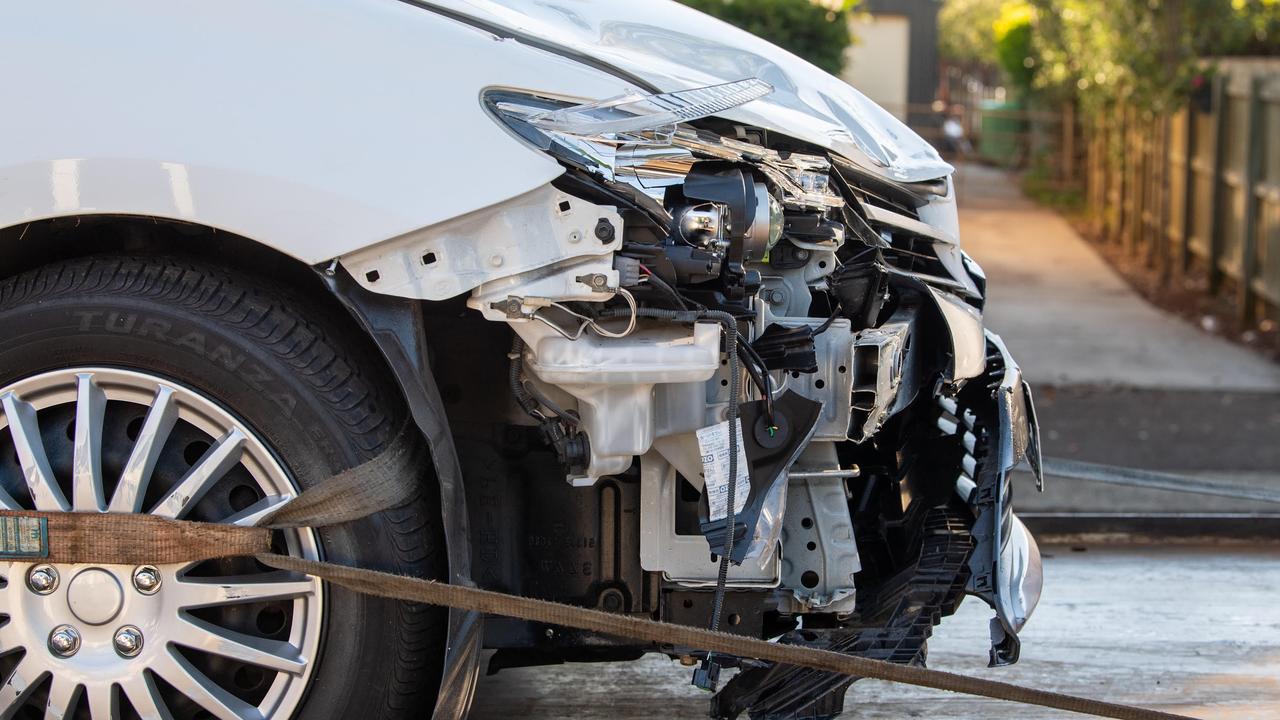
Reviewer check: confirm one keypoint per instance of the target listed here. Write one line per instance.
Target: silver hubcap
(223, 639)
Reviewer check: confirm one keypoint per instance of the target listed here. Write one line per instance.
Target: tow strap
(380, 484)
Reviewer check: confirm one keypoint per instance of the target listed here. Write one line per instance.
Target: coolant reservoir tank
(613, 380)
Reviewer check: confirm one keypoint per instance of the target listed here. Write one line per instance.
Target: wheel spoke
(197, 686)
(25, 429)
(7, 502)
(217, 461)
(86, 474)
(21, 683)
(9, 639)
(204, 592)
(250, 516)
(145, 697)
(103, 701)
(272, 654)
(146, 451)
(63, 694)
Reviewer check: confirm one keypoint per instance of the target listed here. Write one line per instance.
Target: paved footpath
(1069, 319)
(1116, 379)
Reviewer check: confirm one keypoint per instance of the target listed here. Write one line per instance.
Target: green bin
(1004, 124)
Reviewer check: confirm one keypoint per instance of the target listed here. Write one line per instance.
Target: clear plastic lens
(776, 221)
(637, 113)
(643, 140)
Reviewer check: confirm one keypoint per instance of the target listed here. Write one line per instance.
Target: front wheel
(188, 391)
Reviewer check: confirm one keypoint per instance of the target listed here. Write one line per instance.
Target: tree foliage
(1144, 52)
(816, 32)
(1014, 33)
(966, 31)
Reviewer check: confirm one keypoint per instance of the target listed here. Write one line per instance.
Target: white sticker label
(713, 443)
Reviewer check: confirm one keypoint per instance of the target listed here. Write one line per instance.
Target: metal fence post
(1255, 149)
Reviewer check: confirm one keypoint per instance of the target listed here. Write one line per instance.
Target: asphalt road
(1194, 630)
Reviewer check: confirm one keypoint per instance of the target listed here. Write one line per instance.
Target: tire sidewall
(254, 362)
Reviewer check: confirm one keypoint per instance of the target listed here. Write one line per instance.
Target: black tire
(297, 373)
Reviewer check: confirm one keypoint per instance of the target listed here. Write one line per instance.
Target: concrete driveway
(1192, 630)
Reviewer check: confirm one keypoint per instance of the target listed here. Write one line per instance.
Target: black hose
(524, 399)
(564, 415)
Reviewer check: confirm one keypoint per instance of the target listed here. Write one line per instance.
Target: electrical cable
(664, 286)
(706, 675)
(827, 323)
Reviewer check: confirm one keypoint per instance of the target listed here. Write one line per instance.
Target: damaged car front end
(879, 420)
(684, 322)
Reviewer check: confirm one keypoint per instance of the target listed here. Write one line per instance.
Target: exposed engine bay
(691, 295)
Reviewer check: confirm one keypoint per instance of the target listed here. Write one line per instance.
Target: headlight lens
(633, 112)
(642, 139)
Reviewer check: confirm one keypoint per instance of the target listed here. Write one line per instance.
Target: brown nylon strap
(127, 539)
(388, 480)
(455, 596)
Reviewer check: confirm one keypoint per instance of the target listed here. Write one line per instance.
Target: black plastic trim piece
(396, 326)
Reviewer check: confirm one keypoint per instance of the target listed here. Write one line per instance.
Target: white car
(245, 245)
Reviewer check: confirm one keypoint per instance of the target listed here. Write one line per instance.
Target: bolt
(146, 579)
(496, 260)
(64, 641)
(604, 230)
(128, 641)
(42, 579)
(611, 600)
(575, 236)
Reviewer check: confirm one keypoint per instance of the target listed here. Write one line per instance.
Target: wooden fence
(1197, 191)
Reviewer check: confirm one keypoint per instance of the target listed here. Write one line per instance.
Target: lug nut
(146, 580)
(64, 641)
(128, 641)
(42, 579)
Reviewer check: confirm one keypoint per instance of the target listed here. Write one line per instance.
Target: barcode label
(24, 536)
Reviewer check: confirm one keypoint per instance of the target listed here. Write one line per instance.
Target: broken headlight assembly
(722, 202)
(646, 141)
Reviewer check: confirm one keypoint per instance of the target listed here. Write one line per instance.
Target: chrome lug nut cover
(42, 579)
(146, 580)
(128, 641)
(64, 641)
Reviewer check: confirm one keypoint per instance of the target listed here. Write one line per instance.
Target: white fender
(314, 127)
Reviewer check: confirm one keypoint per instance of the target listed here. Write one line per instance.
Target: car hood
(673, 47)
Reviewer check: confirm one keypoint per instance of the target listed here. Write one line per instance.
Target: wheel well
(41, 242)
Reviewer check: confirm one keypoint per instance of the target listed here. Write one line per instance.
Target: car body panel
(314, 128)
(674, 47)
